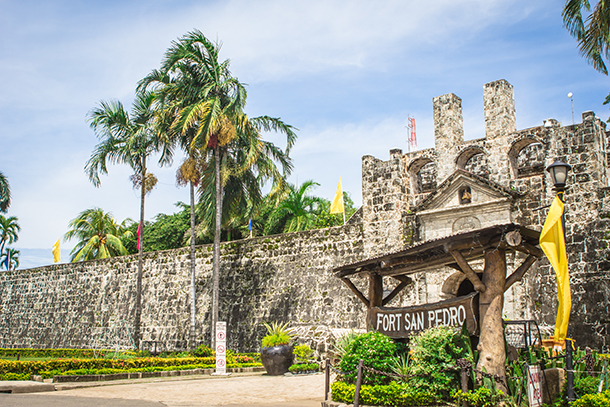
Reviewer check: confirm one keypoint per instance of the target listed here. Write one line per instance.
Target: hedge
(393, 395)
(593, 400)
(63, 353)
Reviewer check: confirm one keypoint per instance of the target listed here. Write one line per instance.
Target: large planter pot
(277, 359)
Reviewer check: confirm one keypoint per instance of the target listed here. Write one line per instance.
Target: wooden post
(327, 380)
(491, 345)
(464, 377)
(358, 384)
(375, 297)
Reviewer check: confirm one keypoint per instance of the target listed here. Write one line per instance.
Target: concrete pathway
(202, 391)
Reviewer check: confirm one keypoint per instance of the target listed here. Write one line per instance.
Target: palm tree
(592, 33)
(9, 230)
(10, 258)
(98, 234)
(206, 103)
(5, 193)
(297, 210)
(128, 140)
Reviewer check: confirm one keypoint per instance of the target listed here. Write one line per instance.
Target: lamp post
(559, 174)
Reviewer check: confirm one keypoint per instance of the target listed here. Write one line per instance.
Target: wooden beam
(404, 281)
(466, 269)
(375, 290)
(520, 272)
(527, 248)
(355, 290)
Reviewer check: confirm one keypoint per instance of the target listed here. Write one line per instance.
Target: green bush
(68, 353)
(393, 395)
(304, 367)
(593, 400)
(203, 351)
(481, 397)
(376, 350)
(15, 376)
(434, 355)
(302, 353)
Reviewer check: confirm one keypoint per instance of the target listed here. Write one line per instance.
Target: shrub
(203, 351)
(15, 376)
(434, 354)
(593, 400)
(376, 350)
(481, 397)
(304, 367)
(342, 344)
(392, 395)
(302, 353)
(278, 334)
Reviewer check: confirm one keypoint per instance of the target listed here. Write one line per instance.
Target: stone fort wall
(274, 278)
(406, 200)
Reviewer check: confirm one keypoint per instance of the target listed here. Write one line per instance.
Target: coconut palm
(128, 139)
(5, 193)
(297, 210)
(592, 32)
(206, 103)
(98, 235)
(9, 230)
(10, 258)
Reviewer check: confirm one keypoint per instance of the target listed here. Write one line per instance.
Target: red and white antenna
(411, 133)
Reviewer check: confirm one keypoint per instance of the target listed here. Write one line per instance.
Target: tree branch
(466, 269)
(520, 272)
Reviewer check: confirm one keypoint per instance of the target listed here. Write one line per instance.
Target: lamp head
(559, 173)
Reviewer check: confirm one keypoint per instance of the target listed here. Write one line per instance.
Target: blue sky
(346, 74)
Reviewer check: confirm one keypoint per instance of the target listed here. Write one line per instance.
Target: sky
(347, 74)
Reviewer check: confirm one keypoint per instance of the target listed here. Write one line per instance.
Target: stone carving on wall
(466, 223)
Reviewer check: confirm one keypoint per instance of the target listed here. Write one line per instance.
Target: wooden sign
(401, 322)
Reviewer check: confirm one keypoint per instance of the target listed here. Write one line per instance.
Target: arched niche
(526, 157)
(473, 160)
(458, 285)
(422, 175)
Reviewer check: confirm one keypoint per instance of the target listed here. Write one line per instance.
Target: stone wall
(276, 278)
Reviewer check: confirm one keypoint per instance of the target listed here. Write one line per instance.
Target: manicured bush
(593, 400)
(393, 395)
(376, 350)
(68, 353)
(203, 351)
(302, 353)
(304, 367)
(434, 355)
(481, 397)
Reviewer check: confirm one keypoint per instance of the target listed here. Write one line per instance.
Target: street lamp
(559, 173)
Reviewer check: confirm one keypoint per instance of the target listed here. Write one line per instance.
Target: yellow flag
(337, 205)
(553, 245)
(56, 252)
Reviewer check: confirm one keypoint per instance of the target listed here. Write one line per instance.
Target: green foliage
(593, 400)
(279, 334)
(400, 366)
(68, 353)
(376, 350)
(325, 219)
(5, 193)
(481, 397)
(392, 394)
(432, 352)
(98, 235)
(342, 344)
(203, 351)
(15, 376)
(164, 233)
(304, 367)
(302, 353)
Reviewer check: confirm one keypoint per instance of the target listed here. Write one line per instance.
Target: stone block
(553, 381)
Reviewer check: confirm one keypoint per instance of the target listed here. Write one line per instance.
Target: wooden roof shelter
(456, 251)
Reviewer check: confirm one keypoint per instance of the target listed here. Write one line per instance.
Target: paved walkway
(199, 391)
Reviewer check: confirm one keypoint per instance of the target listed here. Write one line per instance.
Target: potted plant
(276, 353)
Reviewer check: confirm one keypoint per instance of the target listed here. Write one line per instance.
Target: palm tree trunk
(216, 273)
(138, 316)
(193, 336)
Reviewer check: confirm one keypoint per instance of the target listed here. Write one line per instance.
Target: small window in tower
(465, 195)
